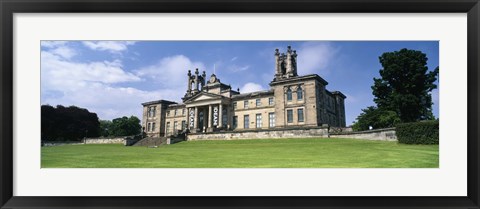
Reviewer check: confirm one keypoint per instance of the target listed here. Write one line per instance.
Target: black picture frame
(10, 7)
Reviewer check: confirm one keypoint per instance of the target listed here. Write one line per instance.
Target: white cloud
(52, 44)
(101, 86)
(65, 52)
(250, 87)
(93, 85)
(56, 70)
(315, 57)
(234, 58)
(111, 46)
(171, 71)
(107, 101)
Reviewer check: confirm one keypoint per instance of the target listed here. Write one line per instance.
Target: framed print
(266, 104)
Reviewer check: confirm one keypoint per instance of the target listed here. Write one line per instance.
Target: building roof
(158, 102)
(253, 94)
(176, 105)
(299, 78)
(339, 93)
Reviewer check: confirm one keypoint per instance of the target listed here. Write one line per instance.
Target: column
(196, 119)
(205, 120)
(220, 116)
(209, 116)
(229, 116)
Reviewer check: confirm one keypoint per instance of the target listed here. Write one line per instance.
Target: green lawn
(258, 153)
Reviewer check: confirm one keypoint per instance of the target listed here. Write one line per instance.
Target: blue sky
(113, 78)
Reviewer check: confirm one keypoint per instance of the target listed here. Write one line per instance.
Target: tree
(125, 126)
(68, 123)
(375, 117)
(105, 128)
(405, 84)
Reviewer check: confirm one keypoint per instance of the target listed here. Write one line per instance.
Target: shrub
(377, 118)
(423, 132)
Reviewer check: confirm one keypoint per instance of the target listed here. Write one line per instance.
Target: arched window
(299, 93)
(289, 94)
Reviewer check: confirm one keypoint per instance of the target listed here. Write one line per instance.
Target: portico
(207, 113)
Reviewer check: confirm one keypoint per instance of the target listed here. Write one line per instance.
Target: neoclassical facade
(212, 106)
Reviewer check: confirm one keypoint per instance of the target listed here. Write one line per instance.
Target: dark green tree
(405, 84)
(125, 126)
(68, 123)
(375, 117)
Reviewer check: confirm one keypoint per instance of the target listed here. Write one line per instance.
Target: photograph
(239, 104)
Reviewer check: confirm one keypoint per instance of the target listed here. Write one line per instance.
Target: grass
(258, 153)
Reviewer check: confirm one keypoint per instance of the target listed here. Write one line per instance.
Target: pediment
(203, 96)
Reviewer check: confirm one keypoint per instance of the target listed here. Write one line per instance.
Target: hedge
(423, 132)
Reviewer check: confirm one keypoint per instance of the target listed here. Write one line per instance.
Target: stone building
(212, 106)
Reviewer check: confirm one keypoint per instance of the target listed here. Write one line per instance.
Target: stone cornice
(299, 78)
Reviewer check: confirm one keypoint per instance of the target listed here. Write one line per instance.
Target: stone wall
(259, 134)
(116, 140)
(387, 134)
(60, 143)
(175, 138)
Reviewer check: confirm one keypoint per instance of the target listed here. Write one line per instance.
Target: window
(183, 111)
(289, 94)
(300, 115)
(184, 125)
(168, 112)
(245, 104)
(235, 122)
(153, 126)
(175, 125)
(246, 121)
(151, 111)
(168, 127)
(299, 93)
(259, 120)
(149, 127)
(258, 102)
(289, 116)
(270, 101)
(235, 105)
(271, 119)
(175, 112)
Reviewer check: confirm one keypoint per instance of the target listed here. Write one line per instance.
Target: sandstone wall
(387, 134)
(117, 140)
(60, 143)
(259, 134)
